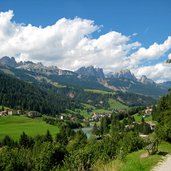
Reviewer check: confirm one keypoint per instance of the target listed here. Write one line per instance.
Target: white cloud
(154, 52)
(159, 72)
(169, 56)
(69, 44)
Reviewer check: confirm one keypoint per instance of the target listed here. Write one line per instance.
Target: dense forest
(18, 94)
(162, 114)
(48, 99)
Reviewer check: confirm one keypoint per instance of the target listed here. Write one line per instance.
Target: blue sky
(142, 21)
(149, 18)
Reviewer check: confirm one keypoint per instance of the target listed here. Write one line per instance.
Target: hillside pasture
(15, 125)
(103, 92)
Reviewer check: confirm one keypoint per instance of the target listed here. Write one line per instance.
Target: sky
(111, 34)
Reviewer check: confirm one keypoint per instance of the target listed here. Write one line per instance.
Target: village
(11, 112)
(94, 116)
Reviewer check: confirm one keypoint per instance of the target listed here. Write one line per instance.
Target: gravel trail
(164, 165)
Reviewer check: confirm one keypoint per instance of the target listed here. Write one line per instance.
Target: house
(152, 125)
(19, 112)
(11, 112)
(3, 113)
(61, 117)
(148, 111)
(33, 114)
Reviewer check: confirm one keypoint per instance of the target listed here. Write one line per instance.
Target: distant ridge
(8, 61)
(91, 71)
(85, 77)
(122, 74)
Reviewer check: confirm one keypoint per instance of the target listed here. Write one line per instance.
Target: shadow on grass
(162, 153)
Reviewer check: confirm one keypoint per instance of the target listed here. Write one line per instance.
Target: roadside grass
(15, 125)
(137, 161)
(165, 147)
(113, 165)
(134, 162)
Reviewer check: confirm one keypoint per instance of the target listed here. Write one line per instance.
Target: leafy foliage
(162, 114)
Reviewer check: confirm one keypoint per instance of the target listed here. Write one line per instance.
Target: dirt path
(164, 165)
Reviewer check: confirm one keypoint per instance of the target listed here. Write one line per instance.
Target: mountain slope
(18, 94)
(152, 90)
(46, 70)
(85, 77)
(145, 80)
(166, 84)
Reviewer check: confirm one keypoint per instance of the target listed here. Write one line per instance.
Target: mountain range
(85, 77)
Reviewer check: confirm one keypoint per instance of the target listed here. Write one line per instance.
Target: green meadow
(116, 104)
(103, 92)
(15, 125)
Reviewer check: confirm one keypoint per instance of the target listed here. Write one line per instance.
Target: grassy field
(137, 161)
(99, 91)
(138, 118)
(116, 104)
(15, 125)
(88, 106)
(101, 111)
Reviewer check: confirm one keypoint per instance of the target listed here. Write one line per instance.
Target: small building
(148, 111)
(11, 112)
(3, 113)
(19, 112)
(152, 125)
(61, 117)
(33, 114)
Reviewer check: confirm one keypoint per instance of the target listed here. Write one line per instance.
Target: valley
(85, 85)
(70, 120)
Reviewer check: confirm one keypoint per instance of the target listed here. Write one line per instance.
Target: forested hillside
(15, 93)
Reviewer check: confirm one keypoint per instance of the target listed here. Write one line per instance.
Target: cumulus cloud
(159, 72)
(69, 44)
(154, 52)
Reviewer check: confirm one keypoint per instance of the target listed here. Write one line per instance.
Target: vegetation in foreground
(69, 150)
(137, 161)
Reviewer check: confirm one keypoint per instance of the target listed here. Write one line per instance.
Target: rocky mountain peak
(8, 61)
(42, 69)
(145, 80)
(126, 74)
(91, 71)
